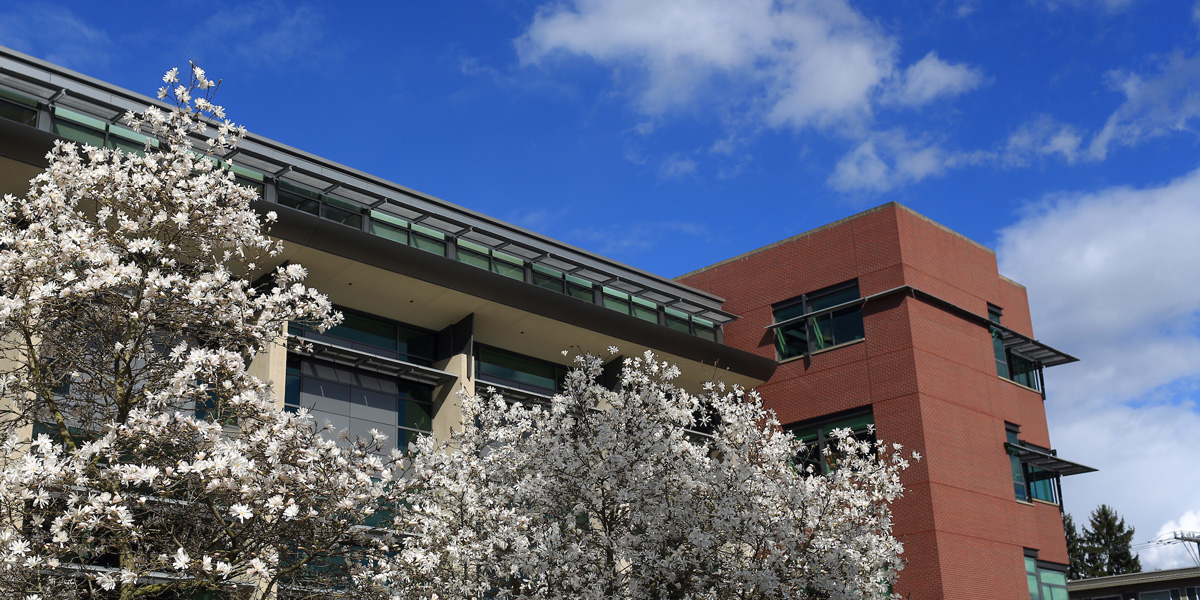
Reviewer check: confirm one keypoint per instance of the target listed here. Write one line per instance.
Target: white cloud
(56, 34)
(890, 159)
(1108, 5)
(267, 33)
(1041, 137)
(798, 64)
(931, 78)
(676, 166)
(1155, 105)
(1177, 554)
(1111, 279)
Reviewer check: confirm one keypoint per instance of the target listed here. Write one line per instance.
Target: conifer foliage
(1104, 546)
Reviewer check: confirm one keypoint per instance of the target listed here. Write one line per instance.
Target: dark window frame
(832, 306)
(862, 424)
(559, 372)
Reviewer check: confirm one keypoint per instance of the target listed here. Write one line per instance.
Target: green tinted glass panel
(508, 265)
(1018, 479)
(416, 416)
(299, 202)
(424, 241)
(1050, 577)
(389, 231)
(91, 122)
(645, 310)
(79, 133)
(581, 290)
(1034, 593)
(389, 219)
(18, 98)
(517, 369)
(365, 330)
(548, 278)
(1023, 371)
(998, 350)
(20, 114)
(677, 320)
(616, 300)
(470, 257)
(416, 345)
(341, 215)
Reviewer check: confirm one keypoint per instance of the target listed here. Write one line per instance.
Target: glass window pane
(389, 231)
(547, 280)
(297, 201)
(79, 133)
(365, 330)
(470, 257)
(581, 291)
(428, 244)
(341, 215)
(616, 300)
(515, 369)
(508, 266)
(645, 310)
(416, 416)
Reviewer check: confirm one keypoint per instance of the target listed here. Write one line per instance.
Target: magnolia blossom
(645, 491)
(132, 435)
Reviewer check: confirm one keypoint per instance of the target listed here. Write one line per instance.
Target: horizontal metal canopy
(372, 362)
(1046, 460)
(1017, 342)
(1033, 349)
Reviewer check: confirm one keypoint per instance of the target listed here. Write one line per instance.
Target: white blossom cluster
(644, 492)
(140, 459)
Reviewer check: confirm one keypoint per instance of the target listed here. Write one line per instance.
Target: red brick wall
(930, 377)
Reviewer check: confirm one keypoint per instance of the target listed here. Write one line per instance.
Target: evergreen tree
(1107, 542)
(1075, 549)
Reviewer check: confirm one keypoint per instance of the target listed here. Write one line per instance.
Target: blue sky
(673, 134)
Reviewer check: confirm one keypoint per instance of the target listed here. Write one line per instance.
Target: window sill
(1025, 502)
(829, 349)
(1037, 501)
(1022, 386)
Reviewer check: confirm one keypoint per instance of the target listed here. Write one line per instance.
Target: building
(882, 318)
(1169, 584)
(889, 318)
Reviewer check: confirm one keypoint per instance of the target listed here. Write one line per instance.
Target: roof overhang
(1046, 460)
(366, 360)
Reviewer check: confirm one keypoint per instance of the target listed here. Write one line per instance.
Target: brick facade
(930, 378)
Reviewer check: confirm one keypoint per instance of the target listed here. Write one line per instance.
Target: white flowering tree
(140, 459)
(648, 492)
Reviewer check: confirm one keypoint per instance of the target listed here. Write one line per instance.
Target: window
(492, 260)
(821, 327)
(376, 335)
(1029, 482)
(1010, 365)
(816, 435)
(1159, 595)
(359, 400)
(1046, 581)
(518, 371)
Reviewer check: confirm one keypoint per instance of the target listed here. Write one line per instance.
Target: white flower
(181, 560)
(241, 512)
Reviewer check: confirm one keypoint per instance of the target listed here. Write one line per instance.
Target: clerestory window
(818, 320)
